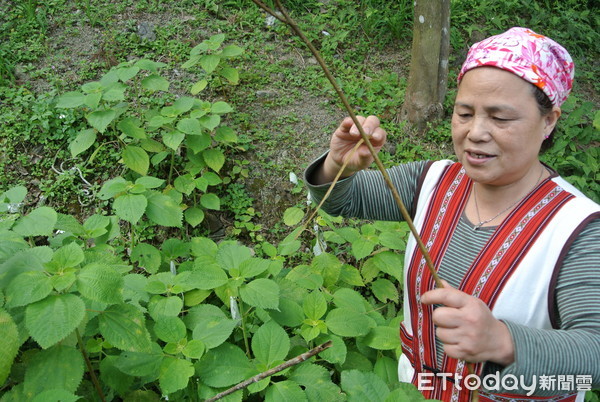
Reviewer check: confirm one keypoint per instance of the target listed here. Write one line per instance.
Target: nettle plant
(184, 136)
(190, 318)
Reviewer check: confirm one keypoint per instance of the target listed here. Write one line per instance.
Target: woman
(517, 246)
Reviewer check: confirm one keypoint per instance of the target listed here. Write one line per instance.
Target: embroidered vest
(524, 250)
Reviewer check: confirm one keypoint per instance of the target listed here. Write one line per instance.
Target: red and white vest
(514, 274)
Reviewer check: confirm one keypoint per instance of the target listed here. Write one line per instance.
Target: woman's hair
(545, 106)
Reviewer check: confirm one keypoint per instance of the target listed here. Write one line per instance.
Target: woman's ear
(551, 119)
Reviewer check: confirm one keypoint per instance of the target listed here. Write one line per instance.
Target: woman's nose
(479, 129)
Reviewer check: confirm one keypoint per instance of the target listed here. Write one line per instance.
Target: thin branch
(292, 362)
(88, 363)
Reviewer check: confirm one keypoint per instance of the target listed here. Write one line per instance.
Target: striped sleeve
(365, 195)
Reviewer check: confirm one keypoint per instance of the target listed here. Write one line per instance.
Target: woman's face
(497, 128)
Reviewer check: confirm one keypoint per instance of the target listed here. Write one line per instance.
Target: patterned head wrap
(533, 57)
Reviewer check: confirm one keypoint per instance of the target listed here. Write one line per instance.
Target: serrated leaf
(210, 122)
(27, 288)
(364, 386)
(225, 135)
(387, 369)
(230, 74)
(224, 366)
(127, 73)
(290, 313)
(194, 349)
(149, 182)
(214, 159)
(155, 83)
(147, 256)
(270, 344)
(185, 184)
(362, 248)
(385, 290)
(82, 142)
(389, 263)
(9, 334)
(50, 320)
(285, 391)
(123, 326)
(351, 275)
(68, 256)
(55, 394)
(115, 92)
(209, 62)
(253, 267)
(194, 216)
(100, 119)
(39, 222)
(130, 207)
(92, 100)
(190, 126)
(303, 276)
(198, 87)
(140, 364)
(213, 331)
(221, 108)
(210, 201)
(348, 323)
(70, 100)
(232, 51)
(328, 266)
(383, 338)
(100, 283)
(173, 139)
(113, 187)
(174, 374)
(136, 159)
(198, 143)
(170, 329)
(262, 293)
(60, 367)
(293, 216)
(113, 377)
(150, 65)
(314, 305)
(131, 127)
(163, 210)
(161, 306)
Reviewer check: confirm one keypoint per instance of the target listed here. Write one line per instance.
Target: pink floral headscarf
(533, 57)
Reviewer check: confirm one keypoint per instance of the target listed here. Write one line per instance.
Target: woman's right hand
(343, 141)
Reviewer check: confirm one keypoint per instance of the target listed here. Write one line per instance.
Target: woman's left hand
(467, 328)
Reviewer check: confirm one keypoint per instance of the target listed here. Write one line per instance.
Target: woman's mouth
(476, 157)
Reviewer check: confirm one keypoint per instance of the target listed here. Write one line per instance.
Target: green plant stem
(171, 167)
(244, 334)
(88, 363)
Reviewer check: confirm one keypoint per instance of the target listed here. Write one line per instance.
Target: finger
(354, 129)
(447, 296)
(370, 124)
(447, 317)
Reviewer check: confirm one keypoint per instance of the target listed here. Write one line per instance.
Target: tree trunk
(428, 76)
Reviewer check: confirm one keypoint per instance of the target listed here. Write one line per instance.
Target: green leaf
(39, 222)
(224, 366)
(136, 159)
(348, 323)
(209, 62)
(96, 225)
(113, 187)
(113, 377)
(253, 267)
(149, 182)
(351, 275)
(293, 216)
(68, 256)
(194, 216)
(210, 122)
(362, 248)
(9, 334)
(130, 207)
(232, 51)
(55, 395)
(131, 127)
(115, 92)
(161, 306)
(185, 184)
(337, 353)
(27, 288)
(290, 313)
(230, 74)
(100, 283)
(189, 126)
(123, 326)
(225, 135)
(385, 290)
(221, 108)
(387, 369)
(210, 201)
(351, 299)
(364, 386)
(198, 143)
(82, 142)
(212, 276)
(194, 349)
(60, 367)
(270, 344)
(127, 73)
(383, 338)
(328, 266)
(198, 87)
(70, 100)
(140, 364)
(155, 83)
(388, 262)
(314, 305)
(50, 320)
(214, 159)
(163, 210)
(263, 293)
(149, 65)
(92, 100)
(283, 391)
(170, 329)
(303, 276)
(100, 119)
(147, 256)
(213, 331)
(173, 139)
(174, 374)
